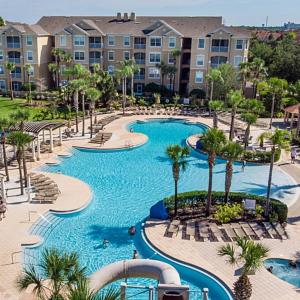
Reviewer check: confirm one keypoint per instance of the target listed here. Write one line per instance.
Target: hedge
(190, 198)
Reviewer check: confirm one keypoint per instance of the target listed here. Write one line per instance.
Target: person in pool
(270, 269)
(135, 254)
(105, 243)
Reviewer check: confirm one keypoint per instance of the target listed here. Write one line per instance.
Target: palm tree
(171, 71)
(4, 125)
(249, 253)
(215, 106)
(280, 139)
(213, 76)
(163, 72)
(134, 69)
(83, 86)
(235, 99)
(258, 71)
(20, 139)
(244, 73)
(275, 87)
(53, 69)
(212, 142)
(11, 67)
(92, 94)
(231, 152)
(250, 119)
(177, 155)
(175, 53)
(123, 73)
(59, 55)
(27, 68)
(57, 275)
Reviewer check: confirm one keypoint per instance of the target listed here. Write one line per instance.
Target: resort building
(204, 43)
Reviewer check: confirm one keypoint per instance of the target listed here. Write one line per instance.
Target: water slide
(145, 268)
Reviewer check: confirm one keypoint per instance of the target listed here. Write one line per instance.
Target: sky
(234, 12)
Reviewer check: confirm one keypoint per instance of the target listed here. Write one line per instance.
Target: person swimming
(270, 269)
(132, 230)
(105, 243)
(135, 254)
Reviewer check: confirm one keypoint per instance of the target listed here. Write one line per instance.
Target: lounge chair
(217, 234)
(280, 230)
(185, 235)
(259, 230)
(204, 231)
(272, 232)
(190, 229)
(230, 232)
(249, 231)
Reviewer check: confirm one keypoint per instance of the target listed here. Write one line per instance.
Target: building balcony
(96, 45)
(13, 45)
(186, 62)
(94, 61)
(139, 77)
(16, 75)
(219, 49)
(139, 46)
(140, 61)
(14, 60)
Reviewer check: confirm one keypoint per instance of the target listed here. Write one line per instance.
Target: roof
(36, 127)
(294, 109)
(23, 28)
(187, 26)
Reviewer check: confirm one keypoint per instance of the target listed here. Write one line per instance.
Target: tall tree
(10, 68)
(93, 95)
(244, 73)
(249, 253)
(177, 155)
(171, 71)
(4, 125)
(28, 69)
(53, 69)
(215, 106)
(134, 69)
(258, 73)
(235, 100)
(213, 76)
(276, 87)
(250, 119)
(163, 67)
(59, 55)
(2, 22)
(231, 152)
(107, 86)
(212, 142)
(20, 140)
(280, 139)
(175, 54)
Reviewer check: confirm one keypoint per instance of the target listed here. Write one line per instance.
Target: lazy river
(127, 183)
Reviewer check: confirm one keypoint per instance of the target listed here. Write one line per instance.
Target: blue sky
(235, 12)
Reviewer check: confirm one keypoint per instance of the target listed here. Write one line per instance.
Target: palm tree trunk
(83, 115)
(231, 134)
(76, 111)
(24, 167)
(269, 183)
(210, 177)
(211, 90)
(11, 87)
(170, 82)
(215, 121)
(132, 85)
(272, 110)
(176, 198)
(247, 133)
(5, 161)
(20, 174)
(91, 123)
(228, 180)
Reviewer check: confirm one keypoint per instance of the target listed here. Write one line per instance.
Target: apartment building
(204, 43)
(24, 44)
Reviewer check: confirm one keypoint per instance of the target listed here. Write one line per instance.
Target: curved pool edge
(212, 276)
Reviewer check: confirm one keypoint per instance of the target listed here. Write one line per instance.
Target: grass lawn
(8, 106)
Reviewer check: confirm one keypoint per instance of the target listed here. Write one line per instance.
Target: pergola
(290, 113)
(35, 128)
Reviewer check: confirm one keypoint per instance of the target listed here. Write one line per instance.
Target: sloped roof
(34, 29)
(293, 109)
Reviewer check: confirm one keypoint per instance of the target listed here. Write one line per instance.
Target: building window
(216, 61)
(172, 42)
(13, 42)
(111, 70)
(111, 55)
(29, 56)
(126, 55)
(79, 40)
(199, 77)
(79, 55)
(237, 60)
(200, 60)
(1, 54)
(29, 40)
(126, 41)
(1, 70)
(201, 43)
(154, 73)
(111, 40)
(63, 40)
(170, 59)
(154, 57)
(155, 41)
(2, 85)
(219, 45)
(138, 88)
(239, 45)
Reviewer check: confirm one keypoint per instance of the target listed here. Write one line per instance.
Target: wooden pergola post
(38, 147)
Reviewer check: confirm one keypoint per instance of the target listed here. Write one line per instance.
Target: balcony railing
(214, 65)
(219, 48)
(140, 61)
(96, 45)
(14, 60)
(139, 76)
(139, 46)
(16, 75)
(95, 60)
(13, 45)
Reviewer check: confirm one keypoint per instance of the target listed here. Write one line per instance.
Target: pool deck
(14, 228)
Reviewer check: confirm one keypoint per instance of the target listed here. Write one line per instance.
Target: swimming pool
(282, 270)
(127, 183)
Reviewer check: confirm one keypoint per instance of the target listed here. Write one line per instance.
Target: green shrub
(188, 199)
(198, 93)
(228, 212)
(261, 156)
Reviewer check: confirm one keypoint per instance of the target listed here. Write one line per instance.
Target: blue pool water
(282, 270)
(127, 183)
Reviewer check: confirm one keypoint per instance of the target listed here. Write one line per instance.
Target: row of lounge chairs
(172, 111)
(205, 231)
(101, 138)
(46, 190)
(106, 120)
